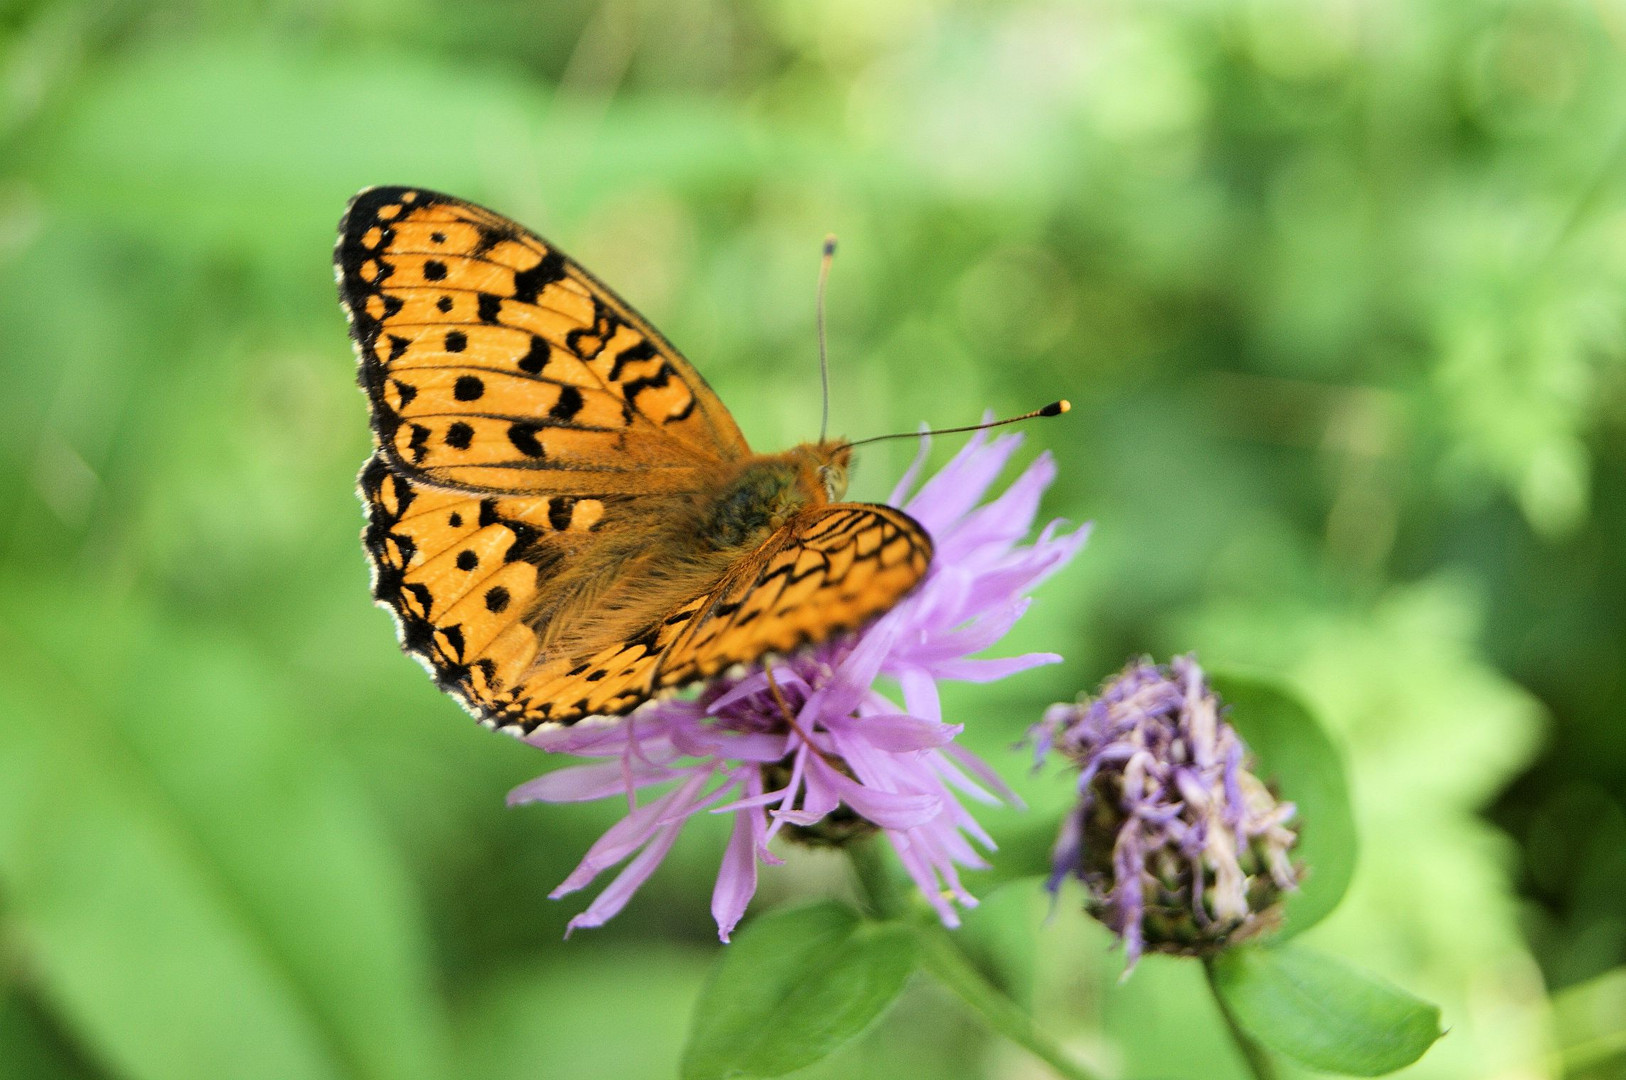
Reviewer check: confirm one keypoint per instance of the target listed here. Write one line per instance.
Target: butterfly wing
(440, 558)
(530, 430)
(494, 363)
(830, 569)
(527, 422)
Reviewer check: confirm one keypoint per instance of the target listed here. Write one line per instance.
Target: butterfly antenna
(1055, 408)
(824, 358)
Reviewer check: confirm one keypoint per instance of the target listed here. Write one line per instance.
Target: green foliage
(795, 987)
(1335, 289)
(204, 892)
(1294, 752)
(1329, 1016)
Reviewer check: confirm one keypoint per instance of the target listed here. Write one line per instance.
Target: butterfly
(562, 516)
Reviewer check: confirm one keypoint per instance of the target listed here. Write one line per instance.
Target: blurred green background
(1335, 287)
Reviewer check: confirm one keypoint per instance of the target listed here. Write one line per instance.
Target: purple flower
(853, 761)
(1180, 848)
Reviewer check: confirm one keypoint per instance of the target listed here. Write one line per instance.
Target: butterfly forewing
(496, 363)
(535, 441)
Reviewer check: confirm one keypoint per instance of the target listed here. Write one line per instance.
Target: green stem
(1259, 1063)
(1598, 1051)
(876, 884)
(942, 957)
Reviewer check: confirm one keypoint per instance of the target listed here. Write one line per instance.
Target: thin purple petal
(737, 877)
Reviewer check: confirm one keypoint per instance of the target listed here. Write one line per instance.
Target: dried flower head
(816, 753)
(1180, 847)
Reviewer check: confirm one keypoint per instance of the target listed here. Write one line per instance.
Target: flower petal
(920, 695)
(579, 783)
(888, 809)
(607, 904)
(900, 490)
(944, 499)
(632, 832)
(897, 733)
(985, 629)
(984, 772)
(851, 679)
(1009, 517)
(737, 877)
(982, 671)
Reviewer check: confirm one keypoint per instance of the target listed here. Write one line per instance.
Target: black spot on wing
(490, 236)
(525, 540)
(568, 405)
(536, 358)
(644, 350)
(452, 638)
(419, 446)
(528, 284)
(652, 382)
(422, 597)
(523, 436)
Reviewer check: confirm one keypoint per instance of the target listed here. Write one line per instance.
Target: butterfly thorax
(767, 490)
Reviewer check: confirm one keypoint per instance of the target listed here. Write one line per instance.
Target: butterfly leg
(790, 715)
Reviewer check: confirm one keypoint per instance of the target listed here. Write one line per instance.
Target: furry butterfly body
(562, 516)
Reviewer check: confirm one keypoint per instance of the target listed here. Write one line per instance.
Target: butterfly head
(828, 461)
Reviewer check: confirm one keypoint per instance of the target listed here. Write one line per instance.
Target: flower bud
(1179, 846)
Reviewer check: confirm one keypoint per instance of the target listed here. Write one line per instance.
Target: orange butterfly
(562, 516)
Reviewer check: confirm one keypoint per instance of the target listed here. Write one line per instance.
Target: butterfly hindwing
(830, 569)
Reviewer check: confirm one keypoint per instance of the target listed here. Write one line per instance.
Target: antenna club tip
(829, 245)
(1056, 408)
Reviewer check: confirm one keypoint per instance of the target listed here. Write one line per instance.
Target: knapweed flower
(821, 755)
(1180, 848)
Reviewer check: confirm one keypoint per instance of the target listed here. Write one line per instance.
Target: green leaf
(169, 821)
(514, 1024)
(1296, 755)
(1024, 853)
(793, 987)
(1329, 1016)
